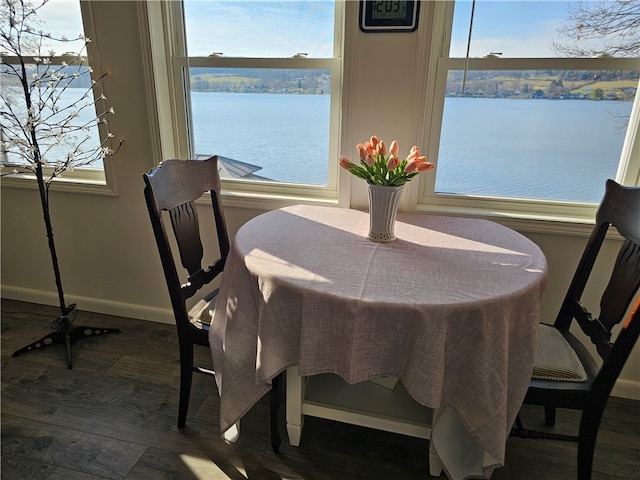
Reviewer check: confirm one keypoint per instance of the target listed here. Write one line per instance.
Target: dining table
(450, 309)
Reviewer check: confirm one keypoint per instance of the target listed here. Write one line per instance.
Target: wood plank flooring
(113, 416)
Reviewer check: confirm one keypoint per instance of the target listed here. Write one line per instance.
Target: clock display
(388, 9)
(389, 15)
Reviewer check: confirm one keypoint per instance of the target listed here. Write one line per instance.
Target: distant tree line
(265, 80)
(595, 85)
(80, 80)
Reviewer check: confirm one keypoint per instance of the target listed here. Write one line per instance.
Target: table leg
(457, 449)
(435, 465)
(232, 434)
(295, 395)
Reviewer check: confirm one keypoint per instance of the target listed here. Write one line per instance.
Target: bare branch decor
(49, 119)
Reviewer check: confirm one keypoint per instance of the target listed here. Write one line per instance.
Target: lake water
(544, 149)
(286, 134)
(541, 149)
(53, 149)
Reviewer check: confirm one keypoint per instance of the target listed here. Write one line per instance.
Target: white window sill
(79, 181)
(578, 222)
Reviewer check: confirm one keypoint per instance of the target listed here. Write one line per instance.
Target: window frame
(168, 44)
(521, 213)
(100, 181)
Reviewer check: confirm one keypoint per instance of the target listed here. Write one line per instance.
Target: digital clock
(389, 16)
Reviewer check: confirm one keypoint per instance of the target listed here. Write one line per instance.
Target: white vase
(383, 207)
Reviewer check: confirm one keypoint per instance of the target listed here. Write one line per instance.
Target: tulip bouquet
(379, 166)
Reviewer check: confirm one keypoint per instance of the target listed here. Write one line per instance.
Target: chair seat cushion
(555, 358)
(201, 313)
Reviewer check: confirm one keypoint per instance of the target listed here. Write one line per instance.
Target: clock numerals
(389, 9)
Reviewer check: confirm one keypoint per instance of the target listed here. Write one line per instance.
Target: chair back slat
(623, 284)
(186, 228)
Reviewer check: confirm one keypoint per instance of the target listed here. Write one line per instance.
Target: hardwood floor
(114, 416)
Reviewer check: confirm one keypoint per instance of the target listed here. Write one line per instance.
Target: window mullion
(540, 63)
(629, 168)
(279, 63)
(181, 106)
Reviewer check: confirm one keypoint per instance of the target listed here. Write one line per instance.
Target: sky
(60, 18)
(514, 28)
(519, 28)
(260, 28)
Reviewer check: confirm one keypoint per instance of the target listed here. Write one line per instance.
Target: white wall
(107, 254)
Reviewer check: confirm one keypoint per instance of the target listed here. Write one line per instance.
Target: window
(258, 84)
(61, 19)
(524, 120)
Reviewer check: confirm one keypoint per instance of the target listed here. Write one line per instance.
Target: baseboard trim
(623, 388)
(89, 304)
(626, 389)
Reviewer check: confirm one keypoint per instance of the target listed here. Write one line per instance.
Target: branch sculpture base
(66, 334)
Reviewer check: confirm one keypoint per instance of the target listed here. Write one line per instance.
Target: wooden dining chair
(565, 374)
(174, 187)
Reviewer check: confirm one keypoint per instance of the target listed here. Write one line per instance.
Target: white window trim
(167, 38)
(79, 181)
(525, 215)
(97, 181)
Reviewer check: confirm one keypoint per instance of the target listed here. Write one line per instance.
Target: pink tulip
(393, 149)
(425, 166)
(411, 166)
(345, 162)
(382, 148)
(414, 153)
(392, 164)
(374, 142)
(369, 159)
(369, 147)
(362, 151)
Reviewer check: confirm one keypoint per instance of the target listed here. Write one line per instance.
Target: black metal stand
(66, 334)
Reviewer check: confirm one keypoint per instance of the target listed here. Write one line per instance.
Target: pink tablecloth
(451, 308)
